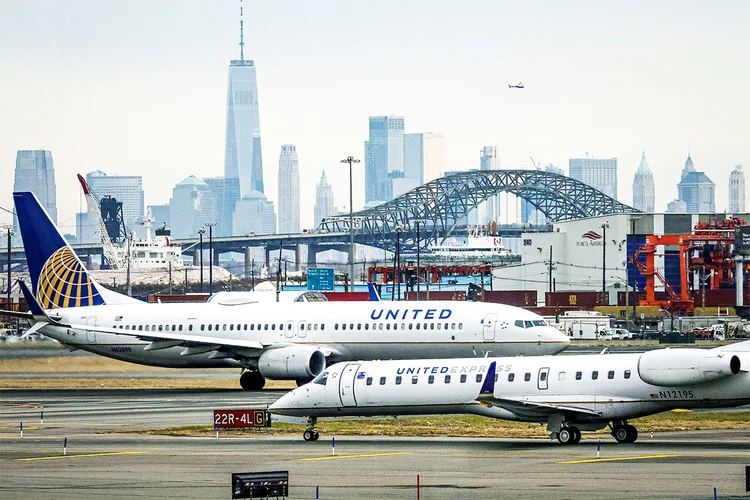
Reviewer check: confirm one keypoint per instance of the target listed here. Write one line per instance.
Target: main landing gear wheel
(252, 380)
(625, 433)
(310, 433)
(569, 435)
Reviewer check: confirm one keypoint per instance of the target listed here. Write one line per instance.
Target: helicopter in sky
(519, 86)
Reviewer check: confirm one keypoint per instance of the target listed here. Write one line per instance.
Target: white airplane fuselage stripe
(514, 397)
(373, 330)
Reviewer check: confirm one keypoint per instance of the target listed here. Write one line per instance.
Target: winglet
(31, 301)
(488, 387)
(374, 297)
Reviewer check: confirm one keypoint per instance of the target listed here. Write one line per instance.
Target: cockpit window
(519, 323)
(540, 322)
(529, 324)
(321, 379)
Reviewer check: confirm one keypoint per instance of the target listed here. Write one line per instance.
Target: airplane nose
(286, 402)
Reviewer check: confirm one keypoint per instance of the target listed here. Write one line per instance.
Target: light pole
(210, 257)
(634, 267)
(627, 294)
(604, 257)
(350, 160)
(10, 233)
(419, 269)
(398, 262)
(201, 232)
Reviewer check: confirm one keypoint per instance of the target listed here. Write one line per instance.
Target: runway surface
(106, 459)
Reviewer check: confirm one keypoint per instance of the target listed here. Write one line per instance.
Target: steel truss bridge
(439, 206)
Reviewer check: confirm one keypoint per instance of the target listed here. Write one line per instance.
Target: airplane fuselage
(354, 330)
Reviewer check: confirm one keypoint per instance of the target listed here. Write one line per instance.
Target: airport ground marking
(363, 455)
(107, 454)
(616, 459)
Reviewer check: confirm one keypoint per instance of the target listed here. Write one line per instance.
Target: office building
(160, 216)
(324, 205)
(192, 206)
(384, 158)
(737, 190)
(289, 190)
(529, 213)
(127, 189)
(489, 210)
(696, 190)
(644, 193)
(599, 173)
(676, 207)
(243, 164)
(254, 215)
(424, 157)
(35, 172)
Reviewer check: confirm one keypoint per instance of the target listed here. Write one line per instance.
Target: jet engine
(676, 367)
(292, 363)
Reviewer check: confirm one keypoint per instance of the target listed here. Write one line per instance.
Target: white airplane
(283, 341)
(568, 393)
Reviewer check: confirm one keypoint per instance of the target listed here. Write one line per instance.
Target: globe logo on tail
(64, 282)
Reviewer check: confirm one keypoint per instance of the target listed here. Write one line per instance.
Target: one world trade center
(243, 164)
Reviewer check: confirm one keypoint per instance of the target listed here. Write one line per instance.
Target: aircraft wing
(536, 409)
(16, 314)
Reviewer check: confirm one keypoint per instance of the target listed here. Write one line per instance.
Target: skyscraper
(424, 157)
(737, 190)
(127, 189)
(384, 157)
(529, 213)
(323, 200)
(288, 189)
(696, 190)
(599, 173)
(254, 215)
(243, 164)
(191, 207)
(643, 187)
(489, 210)
(35, 172)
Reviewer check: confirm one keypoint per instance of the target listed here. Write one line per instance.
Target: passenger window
(351, 326)
(611, 374)
(527, 377)
(367, 326)
(265, 326)
(302, 326)
(414, 379)
(231, 327)
(411, 326)
(223, 327)
(579, 375)
(323, 326)
(543, 376)
(594, 375)
(511, 377)
(173, 327)
(336, 326)
(403, 326)
(398, 380)
(359, 326)
(460, 326)
(160, 328)
(140, 328)
(446, 326)
(210, 327)
(238, 326)
(463, 379)
(438, 325)
(244, 327)
(431, 379)
(369, 380)
(418, 326)
(180, 328)
(387, 326)
(519, 323)
(453, 326)
(561, 376)
(190, 328)
(273, 326)
(203, 327)
(627, 373)
(382, 380)
(447, 379)
(380, 326)
(217, 328)
(316, 326)
(479, 377)
(343, 326)
(321, 379)
(432, 326)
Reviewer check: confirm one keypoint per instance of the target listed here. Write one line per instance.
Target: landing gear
(310, 433)
(252, 380)
(625, 433)
(569, 435)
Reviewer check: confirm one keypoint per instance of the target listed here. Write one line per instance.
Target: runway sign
(242, 418)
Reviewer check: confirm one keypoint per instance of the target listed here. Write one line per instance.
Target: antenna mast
(242, 36)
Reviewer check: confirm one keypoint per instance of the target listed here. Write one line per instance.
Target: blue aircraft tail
(374, 297)
(488, 387)
(58, 277)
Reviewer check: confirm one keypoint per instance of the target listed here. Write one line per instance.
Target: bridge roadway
(319, 241)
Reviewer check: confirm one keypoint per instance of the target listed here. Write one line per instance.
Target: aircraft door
(91, 336)
(488, 332)
(542, 381)
(303, 326)
(289, 329)
(346, 385)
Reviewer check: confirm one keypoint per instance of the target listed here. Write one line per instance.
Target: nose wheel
(310, 433)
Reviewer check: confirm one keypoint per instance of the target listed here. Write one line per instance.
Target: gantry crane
(94, 214)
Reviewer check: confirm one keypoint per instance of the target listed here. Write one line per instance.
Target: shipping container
(518, 298)
(347, 296)
(580, 299)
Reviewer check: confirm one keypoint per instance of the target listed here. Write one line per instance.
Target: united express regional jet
(283, 341)
(569, 393)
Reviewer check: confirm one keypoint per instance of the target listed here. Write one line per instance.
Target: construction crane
(94, 214)
(537, 166)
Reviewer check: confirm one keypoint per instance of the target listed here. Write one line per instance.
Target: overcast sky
(139, 87)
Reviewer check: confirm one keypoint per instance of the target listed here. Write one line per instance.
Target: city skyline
(586, 90)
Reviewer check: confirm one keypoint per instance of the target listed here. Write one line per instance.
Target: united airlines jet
(569, 393)
(283, 341)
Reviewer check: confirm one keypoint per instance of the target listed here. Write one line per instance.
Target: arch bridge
(438, 206)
